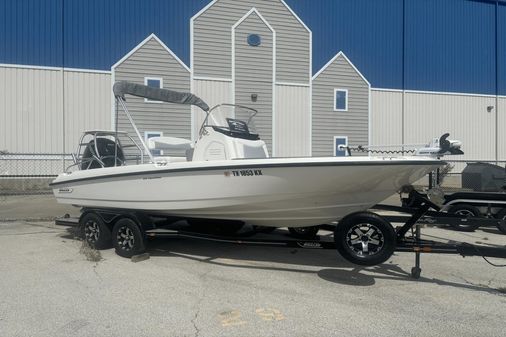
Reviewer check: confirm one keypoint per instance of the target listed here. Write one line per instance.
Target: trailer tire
(309, 232)
(127, 238)
(376, 243)
(466, 210)
(502, 216)
(94, 231)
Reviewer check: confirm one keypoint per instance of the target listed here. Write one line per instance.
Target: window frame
(146, 79)
(346, 99)
(334, 152)
(147, 135)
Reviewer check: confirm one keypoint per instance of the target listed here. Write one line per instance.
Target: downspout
(63, 80)
(496, 84)
(403, 71)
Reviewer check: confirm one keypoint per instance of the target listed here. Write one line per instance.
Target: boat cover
(157, 94)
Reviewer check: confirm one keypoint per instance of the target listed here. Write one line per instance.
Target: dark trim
(254, 166)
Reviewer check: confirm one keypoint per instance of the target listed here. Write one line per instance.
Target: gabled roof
(146, 40)
(347, 60)
(251, 11)
(209, 5)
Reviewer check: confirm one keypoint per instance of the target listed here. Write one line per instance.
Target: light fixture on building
(254, 97)
(490, 108)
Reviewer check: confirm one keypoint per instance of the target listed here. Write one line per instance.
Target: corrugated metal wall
(87, 105)
(501, 122)
(31, 110)
(428, 115)
(386, 117)
(32, 105)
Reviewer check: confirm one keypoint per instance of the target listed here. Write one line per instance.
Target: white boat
(227, 173)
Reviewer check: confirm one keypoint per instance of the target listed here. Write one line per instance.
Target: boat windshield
(230, 116)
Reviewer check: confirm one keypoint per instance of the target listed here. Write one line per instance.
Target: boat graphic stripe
(253, 165)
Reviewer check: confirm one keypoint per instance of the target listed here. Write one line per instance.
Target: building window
(154, 82)
(339, 142)
(150, 134)
(254, 40)
(340, 100)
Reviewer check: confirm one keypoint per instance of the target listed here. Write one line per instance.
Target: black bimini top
(157, 94)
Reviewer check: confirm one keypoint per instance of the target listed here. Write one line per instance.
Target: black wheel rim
(91, 231)
(365, 239)
(125, 238)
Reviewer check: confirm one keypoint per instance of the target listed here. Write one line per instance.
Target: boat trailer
(417, 210)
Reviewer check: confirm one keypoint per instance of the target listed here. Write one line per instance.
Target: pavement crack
(96, 272)
(199, 302)
(197, 330)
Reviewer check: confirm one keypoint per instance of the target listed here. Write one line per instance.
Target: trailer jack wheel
(365, 238)
(416, 272)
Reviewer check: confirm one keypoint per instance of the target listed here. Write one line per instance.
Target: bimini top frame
(121, 88)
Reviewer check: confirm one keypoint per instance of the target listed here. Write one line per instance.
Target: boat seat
(169, 143)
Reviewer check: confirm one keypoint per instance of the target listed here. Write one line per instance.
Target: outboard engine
(104, 153)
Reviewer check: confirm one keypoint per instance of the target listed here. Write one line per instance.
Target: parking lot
(49, 287)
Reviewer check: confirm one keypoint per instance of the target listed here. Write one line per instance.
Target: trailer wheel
(127, 238)
(94, 231)
(467, 211)
(365, 238)
(304, 232)
(502, 216)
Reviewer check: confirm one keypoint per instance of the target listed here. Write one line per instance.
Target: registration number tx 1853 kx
(246, 173)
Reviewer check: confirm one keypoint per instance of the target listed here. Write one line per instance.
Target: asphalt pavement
(49, 287)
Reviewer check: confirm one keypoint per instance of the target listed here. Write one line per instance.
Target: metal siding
(31, 110)
(31, 32)
(253, 75)
(501, 49)
(431, 115)
(87, 105)
(213, 93)
(369, 32)
(152, 60)
(328, 123)
(31, 114)
(291, 120)
(386, 117)
(501, 139)
(212, 39)
(450, 46)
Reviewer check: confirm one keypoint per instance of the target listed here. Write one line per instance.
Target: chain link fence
(28, 173)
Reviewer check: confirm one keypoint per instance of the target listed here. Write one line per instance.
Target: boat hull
(273, 192)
